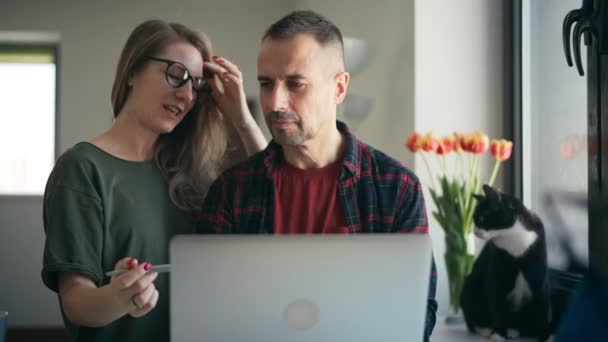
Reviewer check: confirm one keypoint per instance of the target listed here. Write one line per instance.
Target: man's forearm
(431, 317)
(431, 308)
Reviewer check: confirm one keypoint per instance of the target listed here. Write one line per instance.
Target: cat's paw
(512, 333)
(497, 337)
(485, 332)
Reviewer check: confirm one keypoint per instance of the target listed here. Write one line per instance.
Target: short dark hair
(308, 22)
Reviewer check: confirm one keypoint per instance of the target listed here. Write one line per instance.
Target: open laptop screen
(299, 287)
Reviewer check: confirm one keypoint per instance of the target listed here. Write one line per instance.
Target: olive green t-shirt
(99, 209)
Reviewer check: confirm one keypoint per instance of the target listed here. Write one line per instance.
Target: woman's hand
(134, 289)
(132, 292)
(232, 102)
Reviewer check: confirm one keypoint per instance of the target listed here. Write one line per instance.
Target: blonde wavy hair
(191, 156)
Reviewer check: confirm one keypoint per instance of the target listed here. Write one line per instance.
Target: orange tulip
(501, 149)
(442, 148)
(413, 142)
(467, 142)
(429, 143)
(449, 143)
(458, 142)
(476, 143)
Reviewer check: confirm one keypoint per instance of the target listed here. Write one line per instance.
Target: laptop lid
(299, 288)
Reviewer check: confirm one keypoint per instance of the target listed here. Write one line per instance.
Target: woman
(106, 203)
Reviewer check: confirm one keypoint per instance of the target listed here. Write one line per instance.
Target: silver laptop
(299, 288)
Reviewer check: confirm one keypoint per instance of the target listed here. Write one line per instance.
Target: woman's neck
(128, 139)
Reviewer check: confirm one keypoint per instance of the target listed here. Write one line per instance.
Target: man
(314, 177)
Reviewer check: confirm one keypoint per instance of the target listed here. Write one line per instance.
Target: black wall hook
(584, 21)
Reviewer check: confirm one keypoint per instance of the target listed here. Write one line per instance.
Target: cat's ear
(478, 197)
(487, 189)
(514, 203)
(491, 194)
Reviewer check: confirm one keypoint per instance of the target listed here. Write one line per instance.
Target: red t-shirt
(306, 201)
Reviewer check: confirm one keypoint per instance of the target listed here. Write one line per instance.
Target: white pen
(155, 268)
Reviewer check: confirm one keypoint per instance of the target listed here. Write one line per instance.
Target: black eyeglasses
(177, 75)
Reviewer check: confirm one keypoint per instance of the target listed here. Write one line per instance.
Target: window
(560, 126)
(27, 144)
(554, 128)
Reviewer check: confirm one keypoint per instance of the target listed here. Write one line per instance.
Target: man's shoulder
(255, 165)
(377, 162)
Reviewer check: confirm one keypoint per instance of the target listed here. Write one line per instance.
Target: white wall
(458, 83)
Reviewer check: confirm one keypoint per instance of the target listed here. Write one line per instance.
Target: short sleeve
(73, 223)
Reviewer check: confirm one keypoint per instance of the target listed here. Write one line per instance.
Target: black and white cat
(507, 293)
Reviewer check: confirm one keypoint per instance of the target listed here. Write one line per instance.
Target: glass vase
(459, 257)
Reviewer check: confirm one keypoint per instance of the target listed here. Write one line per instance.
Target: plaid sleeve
(410, 217)
(216, 213)
(431, 306)
(410, 211)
